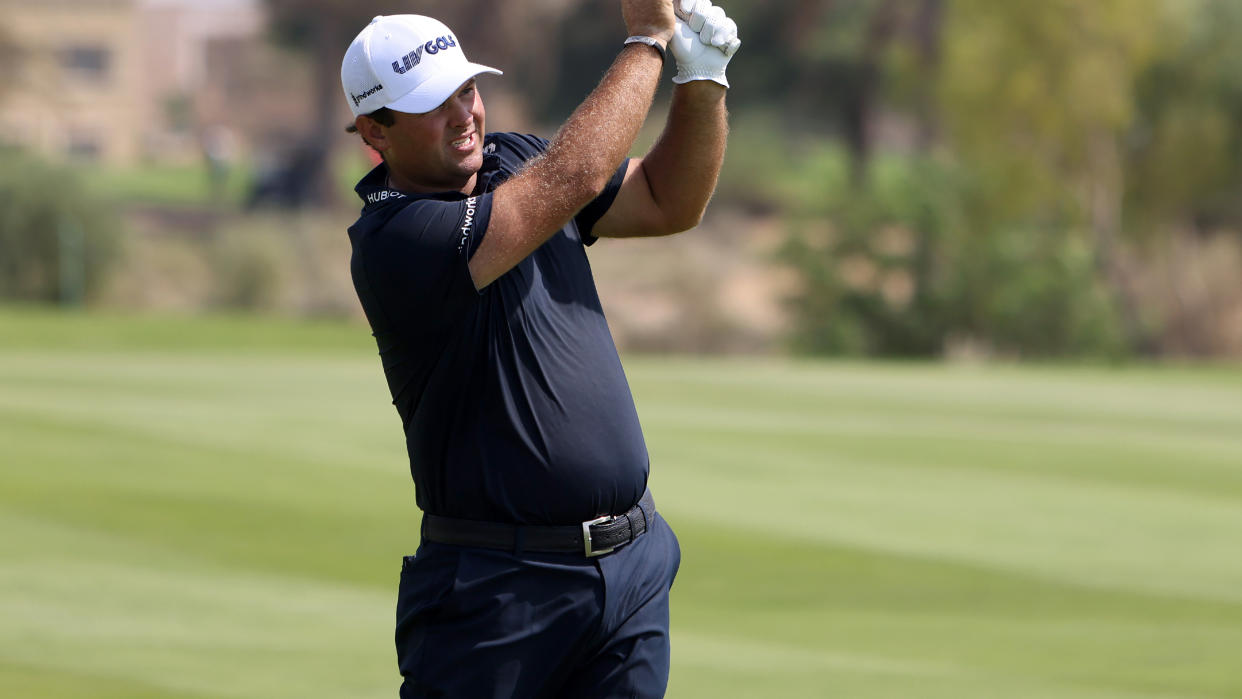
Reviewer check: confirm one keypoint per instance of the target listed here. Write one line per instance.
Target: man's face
(439, 151)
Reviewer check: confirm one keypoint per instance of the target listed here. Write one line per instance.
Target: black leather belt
(592, 538)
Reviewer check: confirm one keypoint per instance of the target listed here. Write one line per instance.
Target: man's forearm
(591, 144)
(683, 166)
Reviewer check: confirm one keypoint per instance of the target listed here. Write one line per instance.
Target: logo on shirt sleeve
(467, 223)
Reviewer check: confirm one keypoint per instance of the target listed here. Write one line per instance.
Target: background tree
(1188, 121)
(1036, 100)
(58, 240)
(10, 58)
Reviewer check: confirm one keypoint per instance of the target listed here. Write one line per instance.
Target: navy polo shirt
(513, 399)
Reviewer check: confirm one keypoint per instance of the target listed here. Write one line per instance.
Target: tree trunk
(327, 51)
(861, 110)
(1104, 190)
(928, 24)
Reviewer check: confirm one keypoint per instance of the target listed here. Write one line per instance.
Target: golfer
(543, 568)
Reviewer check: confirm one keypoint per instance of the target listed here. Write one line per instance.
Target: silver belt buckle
(586, 537)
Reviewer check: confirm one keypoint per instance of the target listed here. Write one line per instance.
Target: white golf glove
(703, 42)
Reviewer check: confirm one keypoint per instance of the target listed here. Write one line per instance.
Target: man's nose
(461, 112)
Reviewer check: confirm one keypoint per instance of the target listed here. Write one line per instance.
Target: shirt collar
(375, 191)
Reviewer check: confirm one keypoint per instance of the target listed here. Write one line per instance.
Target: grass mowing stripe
(174, 622)
(1109, 532)
(1213, 442)
(209, 403)
(306, 444)
(34, 681)
(1102, 463)
(103, 333)
(267, 514)
(723, 652)
(733, 658)
(953, 383)
(937, 614)
(1100, 536)
(1138, 398)
(875, 581)
(831, 675)
(185, 462)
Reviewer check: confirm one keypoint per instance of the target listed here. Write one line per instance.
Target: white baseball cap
(408, 63)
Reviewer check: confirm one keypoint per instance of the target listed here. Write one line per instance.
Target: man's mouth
(464, 143)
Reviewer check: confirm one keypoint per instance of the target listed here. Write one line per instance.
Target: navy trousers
(477, 623)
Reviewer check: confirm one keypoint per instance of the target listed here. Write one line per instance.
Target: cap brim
(434, 91)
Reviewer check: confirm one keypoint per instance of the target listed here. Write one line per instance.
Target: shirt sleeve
(594, 211)
(417, 264)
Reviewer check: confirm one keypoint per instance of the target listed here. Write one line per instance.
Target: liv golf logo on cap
(414, 57)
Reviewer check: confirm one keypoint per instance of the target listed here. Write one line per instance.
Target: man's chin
(471, 164)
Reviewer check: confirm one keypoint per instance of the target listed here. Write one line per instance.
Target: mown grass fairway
(218, 508)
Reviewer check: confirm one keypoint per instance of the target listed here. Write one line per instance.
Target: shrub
(57, 242)
(1040, 296)
(907, 261)
(867, 258)
(247, 266)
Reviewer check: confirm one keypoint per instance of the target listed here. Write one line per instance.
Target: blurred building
(123, 81)
(76, 84)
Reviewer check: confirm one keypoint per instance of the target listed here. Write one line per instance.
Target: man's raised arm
(539, 200)
(667, 190)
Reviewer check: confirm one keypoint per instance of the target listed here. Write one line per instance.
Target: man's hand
(704, 41)
(653, 18)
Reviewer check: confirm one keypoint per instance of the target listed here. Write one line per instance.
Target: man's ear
(372, 132)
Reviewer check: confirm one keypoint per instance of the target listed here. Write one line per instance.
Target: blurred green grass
(216, 507)
(185, 185)
(188, 185)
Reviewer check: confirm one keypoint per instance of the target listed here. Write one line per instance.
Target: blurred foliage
(58, 242)
(247, 268)
(10, 54)
(1034, 97)
(165, 184)
(1043, 140)
(1184, 147)
(1038, 295)
(894, 268)
(868, 283)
